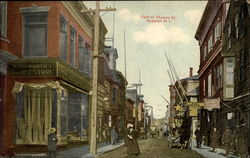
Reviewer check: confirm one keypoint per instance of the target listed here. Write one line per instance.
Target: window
(210, 44)
(229, 31)
(81, 53)
(72, 47)
(3, 18)
(229, 72)
(205, 52)
(35, 34)
(242, 64)
(217, 31)
(89, 61)
(204, 88)
(218, 77)
(114, 96)
(236, 23)
(63, 38)
(209, 85)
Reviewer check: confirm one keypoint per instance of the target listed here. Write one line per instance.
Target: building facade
(236, 49)
(209, 35)
(47, 84)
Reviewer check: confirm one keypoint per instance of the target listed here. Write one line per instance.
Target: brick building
(236, 49)
(209, 35)
(46, 72)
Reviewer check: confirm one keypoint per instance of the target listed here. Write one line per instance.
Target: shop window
(72, 47)
(77, 115)
(63, 38)
(3, 18)
(33, 106)
(35, 34)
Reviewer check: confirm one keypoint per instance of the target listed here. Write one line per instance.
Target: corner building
(48, 72)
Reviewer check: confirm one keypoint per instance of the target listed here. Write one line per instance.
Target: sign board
(211, 104)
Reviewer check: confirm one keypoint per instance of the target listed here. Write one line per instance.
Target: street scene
(125, 79)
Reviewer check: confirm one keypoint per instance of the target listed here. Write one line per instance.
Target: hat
(52, 130)
(130, 125)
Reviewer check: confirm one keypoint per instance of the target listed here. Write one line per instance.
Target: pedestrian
(226, 140)
(242, 140)
(198, 136)
(132, 143)
(52, 140)
(214, 137)
(113, 136)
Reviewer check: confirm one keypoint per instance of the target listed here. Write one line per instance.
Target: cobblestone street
(153, 148)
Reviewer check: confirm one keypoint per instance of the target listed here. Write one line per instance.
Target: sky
(152, 28)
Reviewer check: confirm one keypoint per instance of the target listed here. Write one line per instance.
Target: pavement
(75, 152)
(207, 152)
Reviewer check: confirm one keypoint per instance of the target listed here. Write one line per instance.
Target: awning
(211, 104)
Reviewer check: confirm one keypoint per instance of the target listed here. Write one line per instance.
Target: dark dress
(132, 144)
(214, 137)
(52, 140)
(242, 143)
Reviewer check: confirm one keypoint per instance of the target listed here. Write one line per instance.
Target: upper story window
(242, 64)
(217, 31)
(72, 47)
(218, 77)
(89, 60)
(236, 23)
(209, 85)
(210, 43)
(229, 32)
(35, 34)
(204, 52)
(3, 18)
(63, 38)
(81, 54)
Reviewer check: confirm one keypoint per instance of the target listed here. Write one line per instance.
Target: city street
(153, 148)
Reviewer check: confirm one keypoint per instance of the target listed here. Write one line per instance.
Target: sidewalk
(206, 151)
(75, 152)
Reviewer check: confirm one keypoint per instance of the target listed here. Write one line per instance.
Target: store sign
(48, 68)
(32, 69)
(211, 104)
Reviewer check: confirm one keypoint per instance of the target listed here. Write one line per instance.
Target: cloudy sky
(153, 27)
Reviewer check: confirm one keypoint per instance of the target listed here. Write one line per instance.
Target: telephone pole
(95, 74)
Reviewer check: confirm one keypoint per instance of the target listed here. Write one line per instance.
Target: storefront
(48, 93)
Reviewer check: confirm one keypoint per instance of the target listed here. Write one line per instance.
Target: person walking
(132, 143)
(242, 140)
(52, 140)
(113, 136)
(198, 136)
(214, 137)
(226, 140)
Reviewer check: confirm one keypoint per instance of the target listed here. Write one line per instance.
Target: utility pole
(95, 74)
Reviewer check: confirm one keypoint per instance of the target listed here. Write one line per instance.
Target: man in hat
(226, 140)
(242, 140)
(52, 140)
(198, 136)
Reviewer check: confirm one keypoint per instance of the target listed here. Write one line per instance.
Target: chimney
(190, 72)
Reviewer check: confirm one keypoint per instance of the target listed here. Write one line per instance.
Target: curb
(102, 152)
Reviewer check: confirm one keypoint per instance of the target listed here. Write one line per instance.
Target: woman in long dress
(132, 143)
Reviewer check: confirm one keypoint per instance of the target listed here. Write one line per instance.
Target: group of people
(237, 140)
